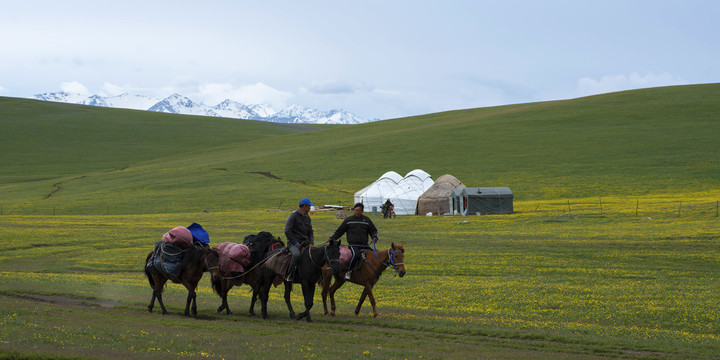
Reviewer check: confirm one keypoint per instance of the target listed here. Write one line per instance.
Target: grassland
(612, 252)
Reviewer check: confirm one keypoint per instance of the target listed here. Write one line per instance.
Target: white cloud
(113, 89)
(333, 87)
(611, 83)
(214, 93)
(74, 87)
(2, 90)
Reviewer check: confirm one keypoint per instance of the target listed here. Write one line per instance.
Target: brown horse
(196, 260)
(369, 273)
(261, 245)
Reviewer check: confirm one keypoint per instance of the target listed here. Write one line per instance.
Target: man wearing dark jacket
(358, 228)
(299, 233)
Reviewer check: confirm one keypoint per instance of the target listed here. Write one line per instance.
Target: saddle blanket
(346, 256)
(278, 263)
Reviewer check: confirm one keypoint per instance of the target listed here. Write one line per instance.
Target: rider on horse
(386, 208)
(358, 228)
(299, 233)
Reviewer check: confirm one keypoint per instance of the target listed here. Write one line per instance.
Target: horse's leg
(190, 300)
(157, 293)
(288, 290)
(372, 299)
(362, 299)
(153, 283)
(252, 301)
(339, 281)
(325, 288)
(191, 285)
(308, 289)
(226, 285)
(264, 292)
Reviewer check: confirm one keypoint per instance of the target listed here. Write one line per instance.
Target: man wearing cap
(358, 228)
(299, 233)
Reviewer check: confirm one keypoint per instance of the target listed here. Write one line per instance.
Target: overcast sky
(378, 59)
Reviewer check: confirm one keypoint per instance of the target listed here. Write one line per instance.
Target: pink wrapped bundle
(233, 257)
(345, 256)
(179, 236)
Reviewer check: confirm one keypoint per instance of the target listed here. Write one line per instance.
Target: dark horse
(369, 273)
(261, 246)
(196, 260)
(309, 270)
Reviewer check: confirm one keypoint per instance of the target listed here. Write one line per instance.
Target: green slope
(634, 143)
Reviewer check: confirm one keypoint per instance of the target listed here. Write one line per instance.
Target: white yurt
(405, 194)
(376, 193)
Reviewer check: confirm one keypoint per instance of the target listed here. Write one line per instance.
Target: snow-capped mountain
(298, 114)
(178, 104)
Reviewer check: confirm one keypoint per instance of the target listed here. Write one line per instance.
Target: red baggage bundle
(233, 258)
(179, 236)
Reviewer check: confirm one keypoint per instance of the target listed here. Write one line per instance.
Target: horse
(309, 270)
(369, 273)
(196, 260)
(260, 246)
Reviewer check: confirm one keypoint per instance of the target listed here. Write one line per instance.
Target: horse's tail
(147, 272)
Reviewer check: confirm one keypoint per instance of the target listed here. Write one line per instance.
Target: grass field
(612, 252)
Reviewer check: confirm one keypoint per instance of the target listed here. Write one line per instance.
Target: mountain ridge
(179, 104)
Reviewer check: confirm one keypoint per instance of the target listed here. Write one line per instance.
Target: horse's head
(277, 244)
(211, 263)
(332, 255)
(259, 245)
(397, 258)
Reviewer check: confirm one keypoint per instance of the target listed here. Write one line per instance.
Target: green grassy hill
(86, 160)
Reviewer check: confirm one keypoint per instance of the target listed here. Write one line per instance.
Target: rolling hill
(87, 160)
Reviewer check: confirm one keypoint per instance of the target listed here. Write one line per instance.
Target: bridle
(207, 264)
(392, 263)
(325, 256)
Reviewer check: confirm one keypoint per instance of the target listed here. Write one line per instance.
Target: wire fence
(636, 207)
(631, 207)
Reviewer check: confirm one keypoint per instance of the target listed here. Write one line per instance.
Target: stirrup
(347, 275)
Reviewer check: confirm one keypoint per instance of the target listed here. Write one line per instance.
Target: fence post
(568, 206)
(637, 205)
(679, 207)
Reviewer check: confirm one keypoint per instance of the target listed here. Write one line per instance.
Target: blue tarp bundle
(199, 234)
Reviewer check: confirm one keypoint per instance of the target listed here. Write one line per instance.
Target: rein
(325, 256)
(390, 253)
(207, 265)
